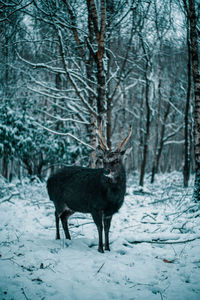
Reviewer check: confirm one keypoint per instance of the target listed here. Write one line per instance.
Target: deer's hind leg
(57, 226)
(64, 219)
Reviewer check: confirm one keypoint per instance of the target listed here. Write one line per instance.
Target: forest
(68, 69)
(68, 65)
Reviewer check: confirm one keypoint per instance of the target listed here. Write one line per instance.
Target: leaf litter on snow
(155, 246)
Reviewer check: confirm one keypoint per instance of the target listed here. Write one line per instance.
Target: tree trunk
(108, 128)
(5, 167)
(186, 170)
(29, 165)
(147, 131)
(141, 131)
(11, 171)
(157, 120)
(90, 73)
(148, 112)
(99, 55)
(196, 78)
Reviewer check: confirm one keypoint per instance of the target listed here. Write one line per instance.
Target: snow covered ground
(155, 246)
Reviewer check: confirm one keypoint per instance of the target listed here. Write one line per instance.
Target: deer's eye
(114, 162)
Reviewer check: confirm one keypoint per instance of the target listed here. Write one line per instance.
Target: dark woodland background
(68, 65)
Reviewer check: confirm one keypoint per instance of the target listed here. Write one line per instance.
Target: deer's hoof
(107, 248)
(100, 250)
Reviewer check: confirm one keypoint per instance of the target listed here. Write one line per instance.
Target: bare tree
(192, 7)
(186, 172)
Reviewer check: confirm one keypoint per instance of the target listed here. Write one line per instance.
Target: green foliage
(34, 146)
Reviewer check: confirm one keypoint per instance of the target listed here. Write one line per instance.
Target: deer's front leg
(107, 222)
(97, 217)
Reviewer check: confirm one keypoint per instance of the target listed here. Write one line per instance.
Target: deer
(98, 191)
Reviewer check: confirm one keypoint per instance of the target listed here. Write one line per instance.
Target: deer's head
(111, 160)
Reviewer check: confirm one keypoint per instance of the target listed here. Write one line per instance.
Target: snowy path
(150, 256)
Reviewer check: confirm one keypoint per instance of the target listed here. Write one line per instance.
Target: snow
(155, 246)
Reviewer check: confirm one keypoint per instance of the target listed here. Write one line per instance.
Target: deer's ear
(122, 152)
(127, 151)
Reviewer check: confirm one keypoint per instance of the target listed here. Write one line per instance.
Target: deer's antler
(122, 143)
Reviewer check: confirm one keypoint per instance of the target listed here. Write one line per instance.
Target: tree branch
(64, 134)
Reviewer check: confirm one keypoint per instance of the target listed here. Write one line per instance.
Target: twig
(78, 225)
(22, 266)
(148, 215)
(23, 292)
(139, 283)
(50, 268)
(8, 258)
(159, 200)
(145, 222)
(100, 268)
(160, 295)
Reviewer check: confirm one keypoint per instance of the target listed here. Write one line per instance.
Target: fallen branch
(7, 199)
(160, 200)
(138, 283)
(158, 241)
(182, 212)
